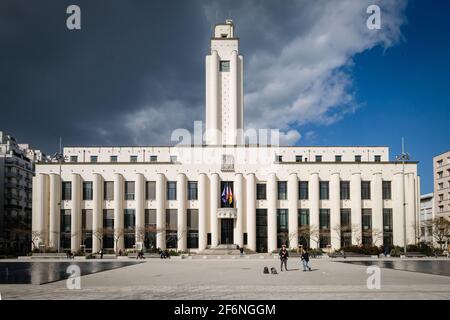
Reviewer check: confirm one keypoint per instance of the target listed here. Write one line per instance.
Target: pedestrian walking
(284, 255)
(305, 260)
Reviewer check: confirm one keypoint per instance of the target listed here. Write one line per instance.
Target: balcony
(227, 213)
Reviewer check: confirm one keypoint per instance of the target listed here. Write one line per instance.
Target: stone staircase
(224, 249)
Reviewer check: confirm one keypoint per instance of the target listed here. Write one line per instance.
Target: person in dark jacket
(305, 260)
(284, 255)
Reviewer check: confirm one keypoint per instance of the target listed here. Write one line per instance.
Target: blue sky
(404, 90)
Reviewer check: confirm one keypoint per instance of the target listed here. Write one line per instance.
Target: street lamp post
(402, 157)
(58, 156)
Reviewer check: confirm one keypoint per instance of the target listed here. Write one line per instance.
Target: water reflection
(44, 272)
(438, 267)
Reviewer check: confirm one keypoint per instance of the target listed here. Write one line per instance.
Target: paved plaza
(238, 278)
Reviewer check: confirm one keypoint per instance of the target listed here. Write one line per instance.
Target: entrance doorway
(226, 231)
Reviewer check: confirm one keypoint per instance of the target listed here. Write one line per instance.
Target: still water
(45, 272)
(439, 267)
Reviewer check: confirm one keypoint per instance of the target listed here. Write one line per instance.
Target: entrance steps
(224, 249)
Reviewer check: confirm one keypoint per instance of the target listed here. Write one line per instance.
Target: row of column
(47, 189)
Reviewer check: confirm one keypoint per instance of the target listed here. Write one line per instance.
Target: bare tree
(440, 230)
(309, 232)
(377, 235)
(98, 234)
(356, 234)
(117, 234)
(36, 238)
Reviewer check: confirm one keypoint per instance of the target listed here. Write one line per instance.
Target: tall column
(181, 212)
(410, 208)
(97, 212)
(160, 213)
(75, 226)
(239, 196)
(202, 234)
(119, 242)
(397, 219)
(55, 199)
(356, 208)
(314, 209)
(215, 139)
(251, 212)
(272, 212)
(233, 99)
(140, 211)
(293, 210)
(40, 207)
(335, 211)
(213, 213)
(417, 202)
(377, 209)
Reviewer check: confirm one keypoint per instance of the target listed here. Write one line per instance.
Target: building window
(365, 190)
(171, 190)
(65, 227)
(224, 66)
(113, 158)
(66, 190)
(129, 218)
(377, 158)
(192, 190)
(357, 158)
(73, 159)
(171, 228)
(153, 158)
(338, 158)
(440, 174)
(108, 228)
(150, 229)
(346, 228)
(279, 158)
(298, 158)
(261, 191)
(150, 190)
(345, 190)
(192, 228)
(441, 197)
(303, 217)
(367, 227)
(94, 158)
(133, 158)
(303, 190)
(87, 190)
(440, 186)
(282, 227)
(108, 190)
(324, 228)
(129, 190)
(324, 190)
(439, 163)
(173, 159)
(318, 158)
(86, 228)
(387, 193)
(282, 190)
(387, 220)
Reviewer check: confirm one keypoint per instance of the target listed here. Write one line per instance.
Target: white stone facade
(174, 196)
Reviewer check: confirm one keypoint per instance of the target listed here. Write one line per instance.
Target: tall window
(261, 191)
(108, 228)
(282, 227)
(387, 228)
(150, 229)
(171, 190)
(224, 66)
(66, 190)
(129, 218)
(346, 228)
(387, 194)
(129, 228)
(324, 228)
(133, 158)
(108, 190)
(129, 190)
(303, 217)
(365, 190)
(345, 190)
(150, 190)
(192, 228)
(192, 190)
(282, 190)
(367, 227)
(86, 228)
(94, 158)
(65, 225)
(87, 190)
(171, 228)
(324, 190)
(303, 190)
